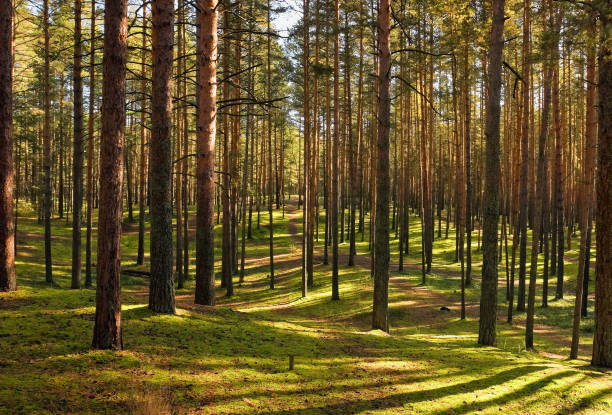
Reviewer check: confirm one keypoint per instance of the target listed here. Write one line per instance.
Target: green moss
(233, 358)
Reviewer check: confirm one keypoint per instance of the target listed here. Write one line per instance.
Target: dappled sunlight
(234, 358)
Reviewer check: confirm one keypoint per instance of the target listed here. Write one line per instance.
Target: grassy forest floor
(233, 358)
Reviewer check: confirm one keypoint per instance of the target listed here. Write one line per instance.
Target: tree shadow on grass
(400, 399)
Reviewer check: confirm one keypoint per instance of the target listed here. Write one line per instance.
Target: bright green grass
(233, 358)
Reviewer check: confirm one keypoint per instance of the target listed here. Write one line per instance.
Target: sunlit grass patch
(234, 358)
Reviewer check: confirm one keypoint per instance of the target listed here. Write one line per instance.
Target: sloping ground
(234, 358)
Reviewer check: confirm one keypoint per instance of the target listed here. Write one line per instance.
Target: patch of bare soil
(423, 305)
(14, 303)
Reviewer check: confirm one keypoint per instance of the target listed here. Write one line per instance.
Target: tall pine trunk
(8, 280)
(90, 145)
(602, 339)
(586, 192)
(468, 172)
(77, 155)
(226, 266)
(381, 257)
(107, 329)
(161, 290)
(143, 139)
(524, 172)
(334, 157)
(47, 148)
(270, 184)
(488, 294)
(537, 212)
(207, 14)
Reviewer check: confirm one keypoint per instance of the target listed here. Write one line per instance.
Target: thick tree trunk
(602, 339)
(161, 290)
(8, 280)
(207, 14)
(381, 256)
(107, 329)
(488, 295)
(77, 156)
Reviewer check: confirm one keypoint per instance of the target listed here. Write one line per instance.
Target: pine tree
(206, 16)
(107, 328)
(488, 295)
(8, 281)
(383, 188)
(161, 291)
(77, 157)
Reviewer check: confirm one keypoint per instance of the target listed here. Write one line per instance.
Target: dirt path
(420, 304)
(423, 303)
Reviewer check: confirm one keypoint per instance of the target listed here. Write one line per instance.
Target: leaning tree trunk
(107, 329)
(207, 14)
(8, 280)
(77, 156)
(602, 340)
(488, 295)
(381, 256)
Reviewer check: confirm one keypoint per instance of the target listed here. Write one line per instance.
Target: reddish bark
(334, 158)
(90, 146)
(8, 281)
(381, 256)
(488, 296)
(161, 291)
(602, 340)
(107, 329)
(207, 15)
(77, 160)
